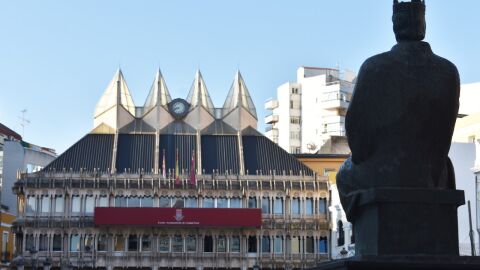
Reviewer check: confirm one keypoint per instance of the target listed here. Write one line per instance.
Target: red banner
(183, 217)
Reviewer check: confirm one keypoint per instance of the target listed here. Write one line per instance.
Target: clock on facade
(178, 108)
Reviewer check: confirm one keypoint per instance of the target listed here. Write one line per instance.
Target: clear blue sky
(57, 57)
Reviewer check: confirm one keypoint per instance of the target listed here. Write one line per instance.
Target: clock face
(178, 108)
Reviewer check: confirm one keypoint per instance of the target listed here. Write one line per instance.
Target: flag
(193, 179)
(177, 170)
(164, 170)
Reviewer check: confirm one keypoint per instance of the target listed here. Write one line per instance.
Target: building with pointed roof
(176, 183)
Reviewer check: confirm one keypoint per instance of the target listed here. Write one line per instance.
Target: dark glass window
(322, 245)
(208, 243)
(146, 243)
(235, 244)
(102, 242)
(265, 205)
(57, 242)
(322, 206)
(177, 244)
(221, 244)
(191, 243)
(43, 242)
(265, 244)
(295, 207)
(164, 202)
(132, 242)
(252, 202)
(252, 244)
(309, 244)
(164, 243)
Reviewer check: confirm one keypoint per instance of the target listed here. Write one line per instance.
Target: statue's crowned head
(409, 20)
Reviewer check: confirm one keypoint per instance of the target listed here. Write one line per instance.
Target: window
(164, 243)
(208, 202)
(309, 206)
(120, 201)
(294, 120)
(322, 206)
(29, 242)
(75, 243)
(295, 244)
(59, 204)
(45, 204)
(278, 244)
(291, 104)
(265, 244)
(89, 204)
(102, 201)
(252, 202)
(322, 245)
(222, 203)
(88, 243)
(309, 244)
(43, 242)
(57, 242)
(31, 204)
(102, 244)
(133, 202)
(208, 244)
(235, 203)
(340, 234)
(191, 243)
(191, 202)
(146, 243)
(221, 244)
(252, 244)
(278, 206)
(132, 242)
(178, 202)
(265, 205)
(177, 244)
(295, 207)
(119, 243)
(235, 244)
(146, 201)
(164, 202)
(76, 204)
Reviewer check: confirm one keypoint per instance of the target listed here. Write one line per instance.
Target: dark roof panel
(185, 144)
(220, 153)
(135, 152)
(261, 154)
(93, 151)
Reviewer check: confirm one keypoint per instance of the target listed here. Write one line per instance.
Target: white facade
(342, 241)
(309, 111)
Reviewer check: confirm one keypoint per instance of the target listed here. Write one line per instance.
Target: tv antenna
(23, 121)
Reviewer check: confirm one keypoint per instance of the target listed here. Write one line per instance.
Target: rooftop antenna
(23, 121)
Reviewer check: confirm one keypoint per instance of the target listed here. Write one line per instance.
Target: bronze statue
(399, 185)
(402, 114)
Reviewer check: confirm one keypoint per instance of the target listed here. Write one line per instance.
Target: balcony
(271, 132)
(272, 118)
(336, 100)
(271, 104)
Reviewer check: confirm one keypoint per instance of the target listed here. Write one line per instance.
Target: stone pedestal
(399, 221)
(398, 228)
(403, 263)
